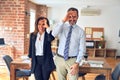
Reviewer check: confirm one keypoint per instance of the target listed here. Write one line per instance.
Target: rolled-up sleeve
(82, 47)
(57, 29)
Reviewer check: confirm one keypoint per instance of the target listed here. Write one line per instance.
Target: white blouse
(39, 44)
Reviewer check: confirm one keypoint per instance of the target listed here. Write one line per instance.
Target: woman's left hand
(45, 24)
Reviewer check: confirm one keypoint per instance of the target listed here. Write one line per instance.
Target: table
(17, 64)
(106, 69)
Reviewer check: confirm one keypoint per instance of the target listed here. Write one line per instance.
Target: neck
(41, 33)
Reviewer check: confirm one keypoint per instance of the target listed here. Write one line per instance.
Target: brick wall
(14, 23)
(41, 10)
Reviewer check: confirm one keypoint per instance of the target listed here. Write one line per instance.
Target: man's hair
(73, 9)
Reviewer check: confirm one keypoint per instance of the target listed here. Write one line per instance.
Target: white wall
(109, 19)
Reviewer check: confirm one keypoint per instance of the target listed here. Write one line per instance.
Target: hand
(45, 25)
(74, 69)
(69, 14)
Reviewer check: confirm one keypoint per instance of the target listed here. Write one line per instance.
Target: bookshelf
(97, 51)
(95, 43)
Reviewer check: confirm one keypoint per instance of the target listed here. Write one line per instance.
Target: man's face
(73, 16)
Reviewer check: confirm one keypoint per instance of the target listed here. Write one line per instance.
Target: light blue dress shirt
(77, 43)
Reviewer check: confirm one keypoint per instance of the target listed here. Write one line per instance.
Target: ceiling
(51, 3)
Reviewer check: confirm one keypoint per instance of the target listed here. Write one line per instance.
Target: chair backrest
(2, 42)
(116, 72)
(7, 60)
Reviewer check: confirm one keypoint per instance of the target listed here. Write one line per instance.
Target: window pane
(32, 20)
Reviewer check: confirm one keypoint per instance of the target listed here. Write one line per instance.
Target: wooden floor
(5, 76)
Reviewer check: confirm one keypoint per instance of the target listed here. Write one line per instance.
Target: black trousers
(39, 73)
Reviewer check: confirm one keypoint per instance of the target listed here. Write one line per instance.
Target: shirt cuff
(49, 29)
(78, 59)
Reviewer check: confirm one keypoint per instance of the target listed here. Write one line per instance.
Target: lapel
(34, 38)
(45, 43)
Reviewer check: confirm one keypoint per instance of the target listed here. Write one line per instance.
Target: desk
(17, 64)
(20, 64)
(106, 69)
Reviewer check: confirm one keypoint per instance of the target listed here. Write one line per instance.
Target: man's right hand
(66, 18)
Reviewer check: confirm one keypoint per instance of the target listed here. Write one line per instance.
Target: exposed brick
(12, 15)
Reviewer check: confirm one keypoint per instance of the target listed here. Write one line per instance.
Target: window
(32, 20)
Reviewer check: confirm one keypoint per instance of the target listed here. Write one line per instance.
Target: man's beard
(72, 22)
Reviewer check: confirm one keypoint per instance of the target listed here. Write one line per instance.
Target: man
(71, 48)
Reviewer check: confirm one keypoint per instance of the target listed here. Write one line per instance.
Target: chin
(72, 23)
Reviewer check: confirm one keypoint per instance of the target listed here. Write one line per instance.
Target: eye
(74, 16)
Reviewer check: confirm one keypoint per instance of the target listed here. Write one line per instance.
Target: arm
(50, 36)
(48, 31)
(59, 28)
(82, 49)
(30, 47)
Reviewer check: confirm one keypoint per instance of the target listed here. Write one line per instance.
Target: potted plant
(100, 45)
(102, 37)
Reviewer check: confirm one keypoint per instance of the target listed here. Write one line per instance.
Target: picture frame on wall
(94, 33)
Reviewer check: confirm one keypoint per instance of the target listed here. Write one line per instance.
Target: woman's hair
(36, 24)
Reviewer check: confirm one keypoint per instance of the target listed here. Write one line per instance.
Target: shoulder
(66, 25)
(79, 28)
(80, 31)
(33, 35)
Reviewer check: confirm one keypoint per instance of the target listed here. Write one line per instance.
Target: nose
(71, 18)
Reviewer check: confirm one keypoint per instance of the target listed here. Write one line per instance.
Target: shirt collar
(39, 34)
(73, 25)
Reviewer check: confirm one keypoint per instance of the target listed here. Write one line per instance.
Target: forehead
(41, 21)
(72, 12)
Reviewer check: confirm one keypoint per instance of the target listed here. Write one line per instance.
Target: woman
(42, 63)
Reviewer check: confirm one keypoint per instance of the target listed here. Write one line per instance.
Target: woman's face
(41, 25)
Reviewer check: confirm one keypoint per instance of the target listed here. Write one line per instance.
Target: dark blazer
(48, 57)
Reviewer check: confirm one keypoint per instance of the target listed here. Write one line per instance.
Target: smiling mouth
(72, 21)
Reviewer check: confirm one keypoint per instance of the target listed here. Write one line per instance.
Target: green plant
(102, 36)
(100, 45)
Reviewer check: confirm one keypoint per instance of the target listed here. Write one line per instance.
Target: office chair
(19, 72)
(115, 74)
(82, 75)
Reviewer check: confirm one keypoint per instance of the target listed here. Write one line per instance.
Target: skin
(72, 17)
(42, 24)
